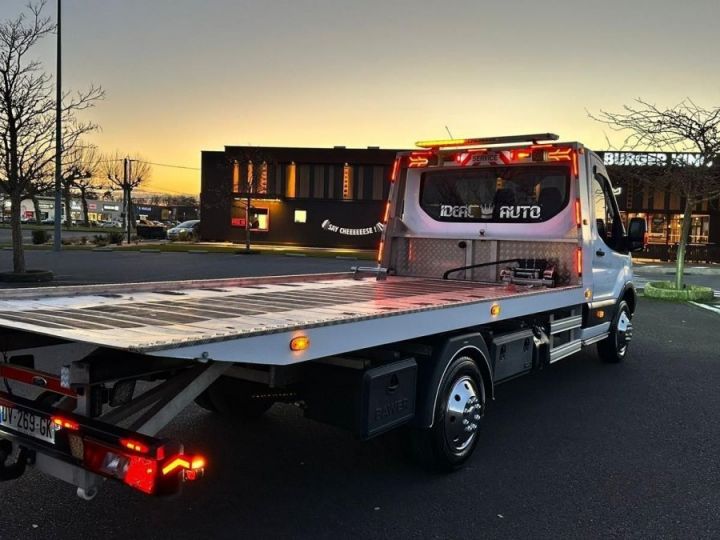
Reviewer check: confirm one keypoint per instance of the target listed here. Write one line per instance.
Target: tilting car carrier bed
(494, 261)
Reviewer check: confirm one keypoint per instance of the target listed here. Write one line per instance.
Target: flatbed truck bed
(223, 319)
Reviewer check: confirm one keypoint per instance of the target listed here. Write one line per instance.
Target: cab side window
(609, 225)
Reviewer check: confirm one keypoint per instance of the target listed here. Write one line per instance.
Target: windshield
(518, 194)
(186, 224)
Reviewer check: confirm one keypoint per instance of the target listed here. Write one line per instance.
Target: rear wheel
(459, 409)
(235, 398)
(613, 348)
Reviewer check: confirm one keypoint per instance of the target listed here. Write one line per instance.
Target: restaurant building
(333, 197)
(324, 197)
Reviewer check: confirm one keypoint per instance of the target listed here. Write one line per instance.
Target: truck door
(610, 262)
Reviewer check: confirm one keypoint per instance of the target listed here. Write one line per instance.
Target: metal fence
(700, 253)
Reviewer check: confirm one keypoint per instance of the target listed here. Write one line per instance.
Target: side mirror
(636, 234)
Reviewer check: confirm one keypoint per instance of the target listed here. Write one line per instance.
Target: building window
(347, 182)
(290, 181)
(259, 217)
(236, 177)
(300, 216)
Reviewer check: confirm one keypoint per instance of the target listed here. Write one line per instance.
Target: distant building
(100, 210)
(333, 197)
(325, 197)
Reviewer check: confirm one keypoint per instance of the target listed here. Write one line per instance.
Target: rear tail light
(151, 473)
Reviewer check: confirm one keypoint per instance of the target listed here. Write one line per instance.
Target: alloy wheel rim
(462, 414)
(623, 333)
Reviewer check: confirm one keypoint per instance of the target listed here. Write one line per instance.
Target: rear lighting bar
(482, 141)
(147, 464)
(478, 157)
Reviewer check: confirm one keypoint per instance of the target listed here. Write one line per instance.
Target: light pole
(57, 244)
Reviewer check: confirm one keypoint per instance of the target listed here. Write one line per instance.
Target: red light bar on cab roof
(445, 143)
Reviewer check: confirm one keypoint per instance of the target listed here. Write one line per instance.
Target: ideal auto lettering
(486, 211)
(465, 211)
(520, 212)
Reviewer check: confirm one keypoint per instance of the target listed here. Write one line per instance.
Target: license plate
(27, 423)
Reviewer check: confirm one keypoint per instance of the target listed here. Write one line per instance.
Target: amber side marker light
(600, 314)
(495, 310)
(299, 343)
(59, 422)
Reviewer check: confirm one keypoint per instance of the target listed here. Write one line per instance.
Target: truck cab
(526, 210)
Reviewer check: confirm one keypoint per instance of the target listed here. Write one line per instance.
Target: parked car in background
(187, 230)
(111, 224)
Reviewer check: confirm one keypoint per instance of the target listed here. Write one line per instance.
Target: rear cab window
(514, 194)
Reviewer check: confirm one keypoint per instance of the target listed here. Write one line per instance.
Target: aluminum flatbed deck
(252, 319)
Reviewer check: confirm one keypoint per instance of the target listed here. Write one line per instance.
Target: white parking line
(706, 306)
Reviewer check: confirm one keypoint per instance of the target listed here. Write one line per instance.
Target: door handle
(600, 253)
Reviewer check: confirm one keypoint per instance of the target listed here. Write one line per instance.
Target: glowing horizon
(182, 77)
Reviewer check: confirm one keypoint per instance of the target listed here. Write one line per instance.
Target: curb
(295, 254)
(150, 250)
(198, 251)
(103, 249)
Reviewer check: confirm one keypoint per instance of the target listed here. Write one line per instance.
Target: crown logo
(486, 211)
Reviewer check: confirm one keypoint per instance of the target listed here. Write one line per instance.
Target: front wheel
(613, 348)
(459, 410)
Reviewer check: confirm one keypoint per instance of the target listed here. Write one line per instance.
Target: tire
(459, 410)
(236, 399)
(613, 349)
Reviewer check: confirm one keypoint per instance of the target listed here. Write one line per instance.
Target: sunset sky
(183, 76)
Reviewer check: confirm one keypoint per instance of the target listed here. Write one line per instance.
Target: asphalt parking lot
(580, 450)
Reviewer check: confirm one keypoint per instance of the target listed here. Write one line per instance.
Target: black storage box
(367, 402)
(511, 354)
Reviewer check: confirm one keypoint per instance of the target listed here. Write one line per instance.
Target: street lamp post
(57, 244)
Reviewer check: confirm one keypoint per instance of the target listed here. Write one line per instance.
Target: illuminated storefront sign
(649, 159)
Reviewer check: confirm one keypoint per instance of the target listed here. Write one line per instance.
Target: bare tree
(27, 114)
(686, 127)
(80, 174)
(126, 174)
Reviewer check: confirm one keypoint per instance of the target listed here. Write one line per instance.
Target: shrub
(100, 240)
(666, 290)
(83, 240)
(40, 237)
(115, 237)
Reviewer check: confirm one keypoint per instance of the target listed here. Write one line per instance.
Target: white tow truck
(499, 256)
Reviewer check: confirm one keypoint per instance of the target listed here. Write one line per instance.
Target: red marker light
(137, 446)
(387, 212)
(578, 261)
(395, 170)
(578, 215)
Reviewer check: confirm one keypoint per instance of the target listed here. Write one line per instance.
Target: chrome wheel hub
(623, 333)
(462, 414)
